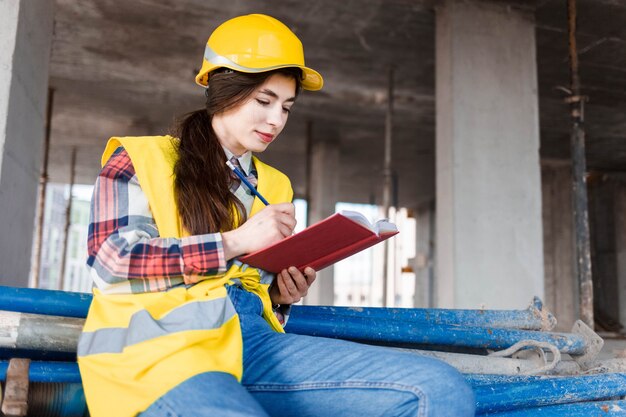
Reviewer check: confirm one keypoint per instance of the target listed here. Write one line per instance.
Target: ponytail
(202, 183)
(202, 179)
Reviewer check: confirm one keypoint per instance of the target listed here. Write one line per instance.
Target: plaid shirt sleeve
(126, 254)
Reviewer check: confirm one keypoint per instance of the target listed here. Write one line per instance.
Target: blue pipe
(48, 302)
(406, 333)
(29, 300)
(590, 409)
(548, 391)
(64, 372)
(533, 318)
(68, 304)
(477, 380)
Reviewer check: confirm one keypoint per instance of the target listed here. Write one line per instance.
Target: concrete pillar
(489, 237)
(423, 264)
(607, 223)
(620, 249)
(324, 160)
(561, 284)
(25, 44)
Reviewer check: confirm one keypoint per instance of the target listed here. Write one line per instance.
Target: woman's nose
(275, 116)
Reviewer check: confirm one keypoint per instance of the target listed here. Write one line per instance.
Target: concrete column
(423, 264)
(561, 285)
(324, 160)
(489, 235)
(607, 223)
(25, 44)
(620, 249)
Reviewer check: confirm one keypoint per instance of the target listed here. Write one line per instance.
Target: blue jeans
(293, 375)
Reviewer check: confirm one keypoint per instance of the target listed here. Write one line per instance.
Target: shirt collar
(245, 160)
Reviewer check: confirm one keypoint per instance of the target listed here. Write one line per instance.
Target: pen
(245, 181)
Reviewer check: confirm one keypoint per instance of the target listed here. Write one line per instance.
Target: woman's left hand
(291, 285)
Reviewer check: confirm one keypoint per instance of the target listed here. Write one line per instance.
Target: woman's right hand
(271, 224)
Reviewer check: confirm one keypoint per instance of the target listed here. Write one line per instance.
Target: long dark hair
(202, 179)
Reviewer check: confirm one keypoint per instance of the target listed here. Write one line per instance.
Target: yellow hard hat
(256, 43)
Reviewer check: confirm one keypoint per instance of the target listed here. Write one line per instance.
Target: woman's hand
(290, 285)
(273, 223)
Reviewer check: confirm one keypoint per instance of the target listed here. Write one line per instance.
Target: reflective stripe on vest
(199, 315)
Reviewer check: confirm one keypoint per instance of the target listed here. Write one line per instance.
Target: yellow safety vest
(136, 347)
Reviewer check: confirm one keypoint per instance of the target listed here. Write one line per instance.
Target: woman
(178, 326)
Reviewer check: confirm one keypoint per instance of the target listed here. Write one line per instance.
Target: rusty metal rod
(579, 194)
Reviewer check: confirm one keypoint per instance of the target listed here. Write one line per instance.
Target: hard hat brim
(311, 79)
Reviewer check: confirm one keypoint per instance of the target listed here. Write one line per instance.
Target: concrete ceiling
(126, 68)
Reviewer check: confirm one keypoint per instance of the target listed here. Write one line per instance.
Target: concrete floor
(614, 347)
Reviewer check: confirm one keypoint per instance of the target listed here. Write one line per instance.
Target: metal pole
(404, 334)
(585, 409)
(66, 372)
(41, 203)
(68, 219)
(544, 391)
(309, 169)
(388, 181)
(579, 194)
(533, 318)
(40, 332)
(50, 302)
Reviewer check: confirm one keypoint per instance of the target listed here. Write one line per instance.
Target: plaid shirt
(126, 253)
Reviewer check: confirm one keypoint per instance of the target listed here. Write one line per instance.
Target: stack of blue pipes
(516, 365)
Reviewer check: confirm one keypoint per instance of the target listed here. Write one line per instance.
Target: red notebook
(323, 243)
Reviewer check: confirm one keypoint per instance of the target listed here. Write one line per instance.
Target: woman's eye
(262, 102)
(286, 110)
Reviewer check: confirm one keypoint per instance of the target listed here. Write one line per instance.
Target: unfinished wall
(620, 248)
(607, 205)
(607, 222)
(561, 286)
(25, 43)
